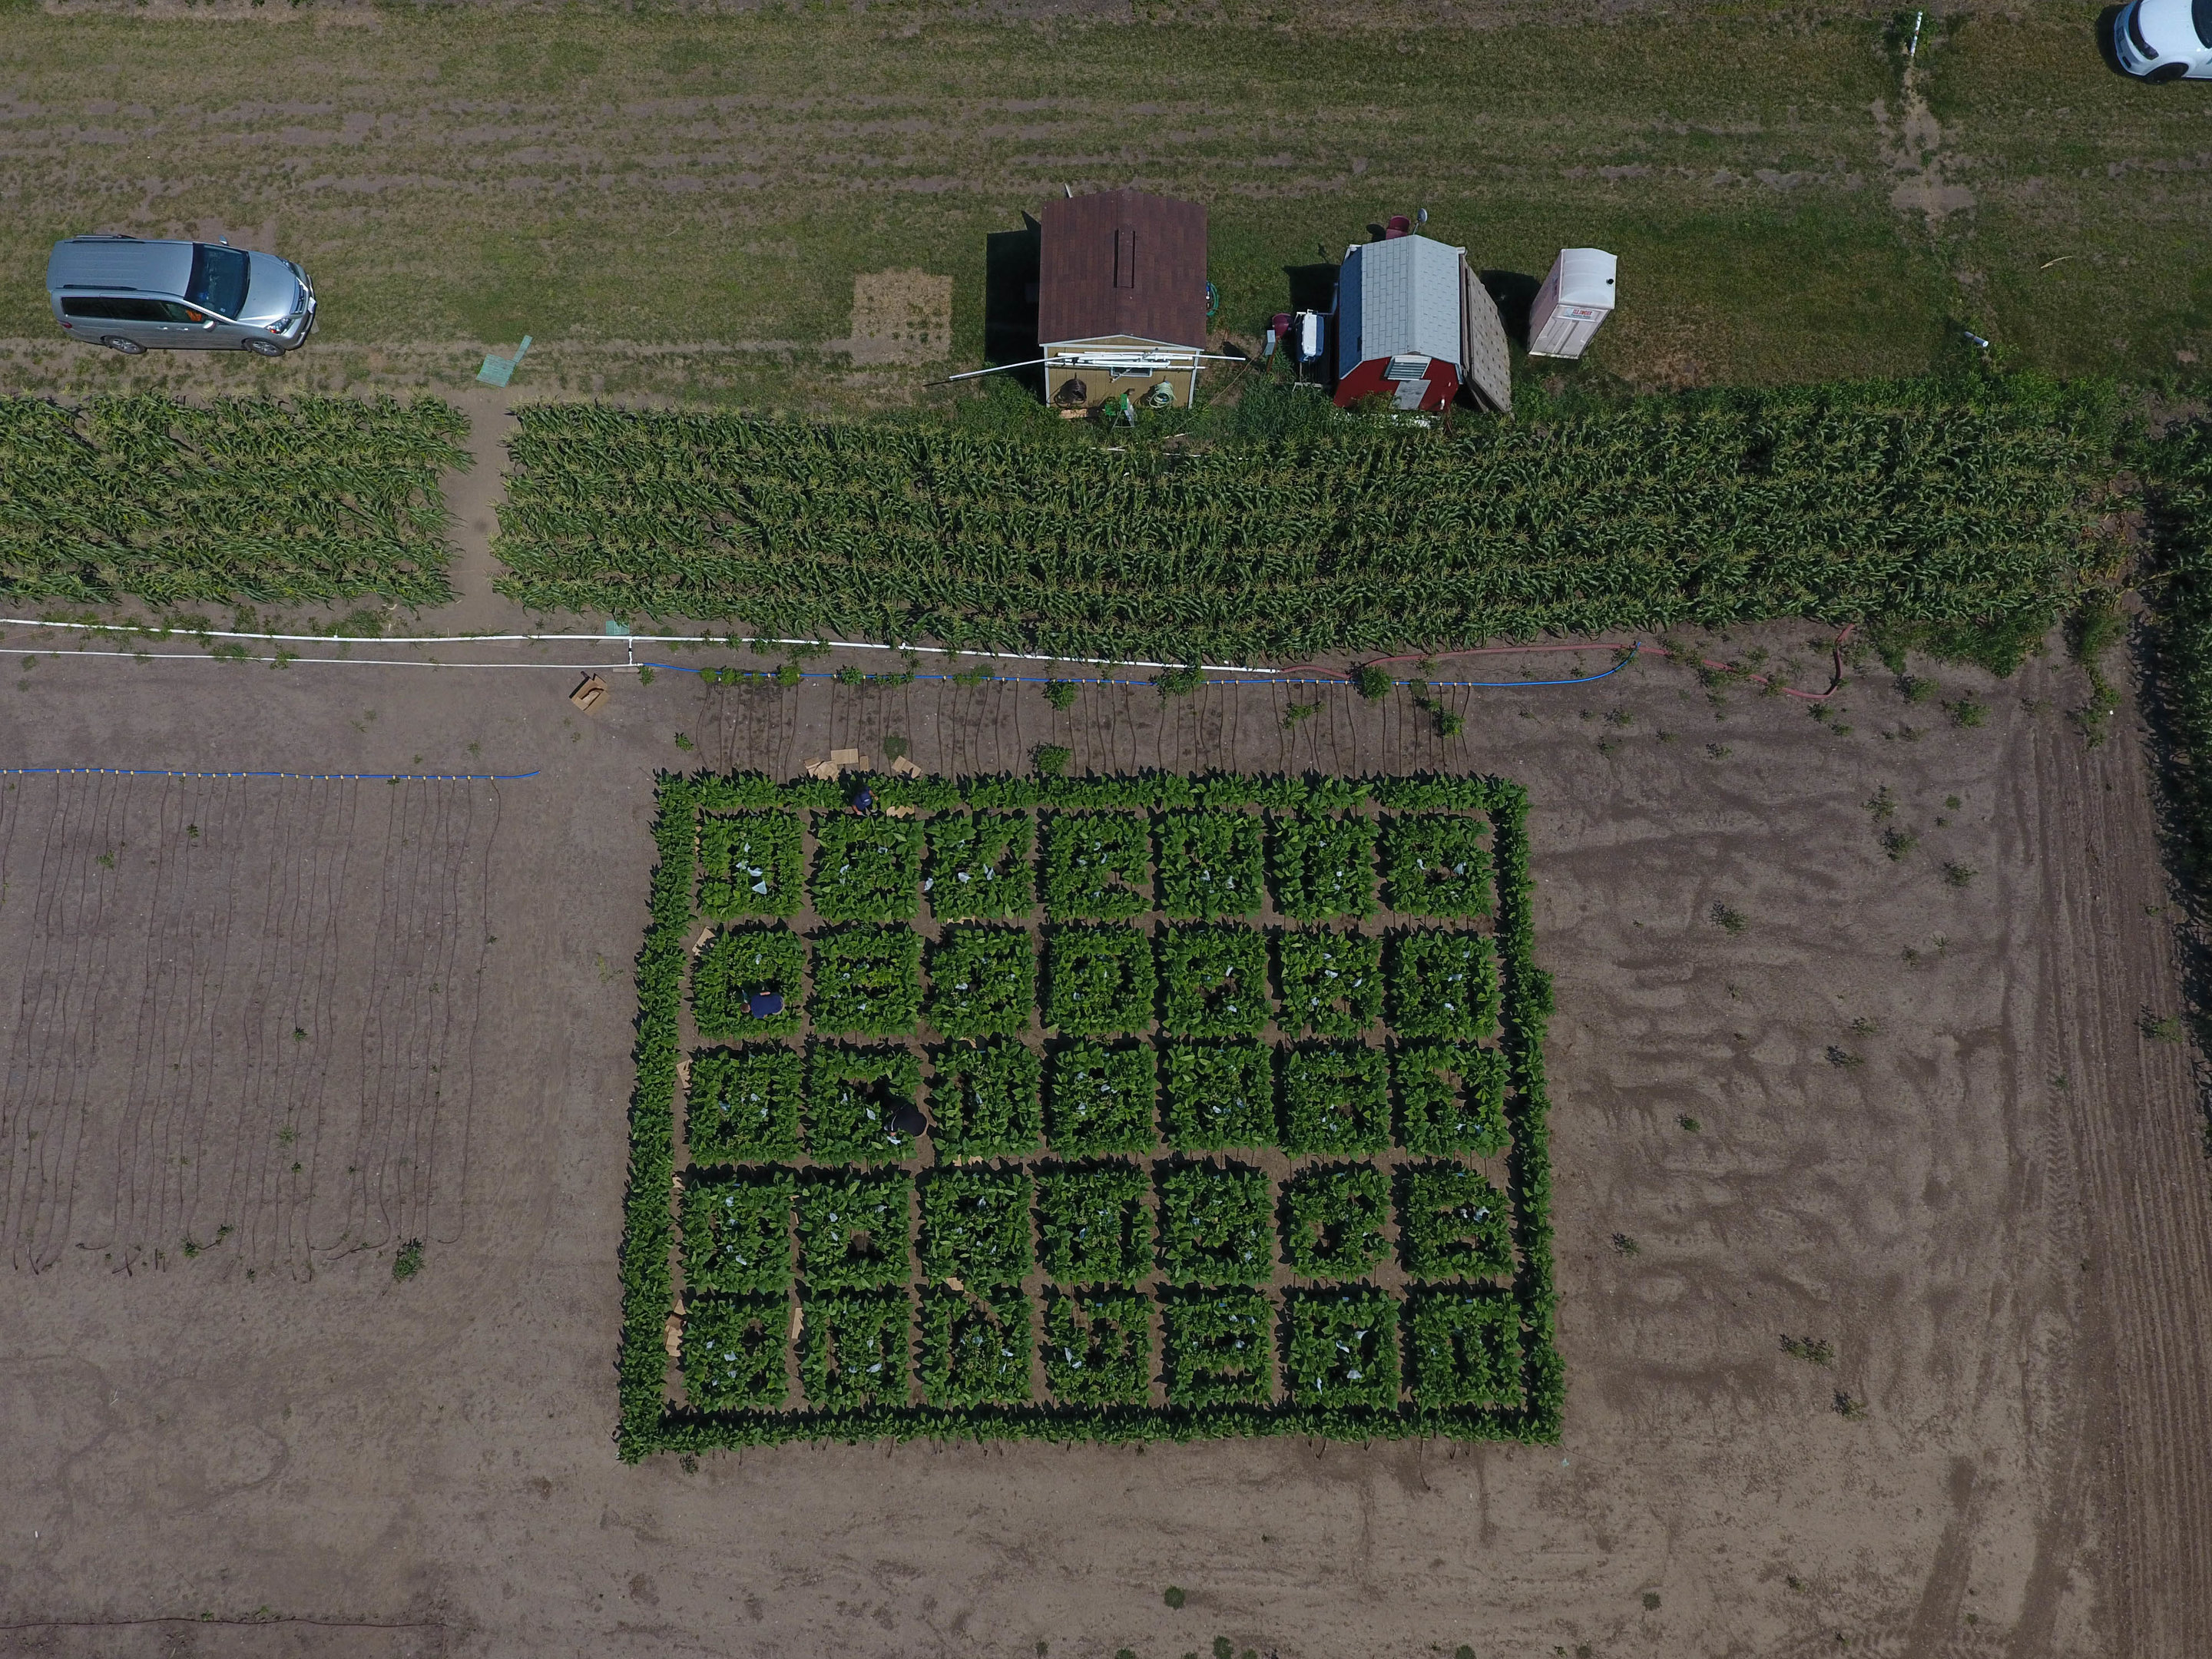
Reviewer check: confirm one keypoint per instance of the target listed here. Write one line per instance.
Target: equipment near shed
(590, 694)
(1413, 320)
(1575, 299)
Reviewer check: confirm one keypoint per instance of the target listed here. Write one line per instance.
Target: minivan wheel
(2167, 72)
(127, 348)
(263, 348)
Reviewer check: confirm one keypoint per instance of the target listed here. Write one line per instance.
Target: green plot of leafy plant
(1216, 1347)
(1219, 1095)
(979, 866)
(1331, 982)
(1451, 1099)
(975, 1225)
(974, 1345)
(1436, 864)
(986, 1099)
(1336, 1100)
(983, 981)
(743, 1104)
(736, 965)
(854, 1348)
(737, 1232)
(1442, 985)
(853, 1230)
(1452, 1224)
(749, 864)
(1340, 1347)
(866, 868)
(1216, 982)
(1332, 1216)
(1462, 1347)
(1097, 1346)
(867, 980)
(1099, 982)
(1323, 866)
(733, 1353)
(1096, 865)
(1210, 864)
(1099, 1098)
(1093, 1227)
(1217, 1225)
(854, 1099)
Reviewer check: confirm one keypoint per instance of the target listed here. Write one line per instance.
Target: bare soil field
(1931, 1128)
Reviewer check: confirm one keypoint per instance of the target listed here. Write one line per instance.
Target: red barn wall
(1370, 377)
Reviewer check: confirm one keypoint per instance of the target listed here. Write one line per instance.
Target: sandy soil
(1992, 1201)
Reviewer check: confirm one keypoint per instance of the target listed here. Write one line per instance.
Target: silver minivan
(130, 295)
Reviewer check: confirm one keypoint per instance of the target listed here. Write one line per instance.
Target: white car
(2165, 40)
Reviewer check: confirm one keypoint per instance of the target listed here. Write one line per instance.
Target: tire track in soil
(2149, 1284)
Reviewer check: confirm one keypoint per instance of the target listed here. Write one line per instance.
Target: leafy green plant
(1452, 1224)
(406, 1261)
(1462, 1347)
(1340, 1347)
(1371, 681)
(749, 864)
(853, 1228)
(737, 1232)
(974, 1345)
(732, 1354)
(854, 1349)
(1332, 1216)
(1180, 681)
(987, 1100)
(1098, 1346)
(853, 1098)
(983, 981)
(743, 1104)
(979, 866)
(1216, 1347)
(1336, 1100)
(1436, 864)
(975, 1225)
(1323, 865)
(865, 868)
(1219, 1095)
(738, 963)
(1217, 1225)
(1051, 759)
(1094, 865)
(867, 980)
(1099, 1099)
(1331, 982)
(1098, 981)
(1093, 1227)
(1061, 693)
(1451, 1099)
(1210, 864)
(1444, 985)
(1215, 980)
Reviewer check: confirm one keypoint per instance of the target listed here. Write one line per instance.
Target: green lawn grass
(456, 180)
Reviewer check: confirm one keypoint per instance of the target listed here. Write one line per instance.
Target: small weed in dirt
(1652, 1601)
(408, 1262)
(644, 675)
(1953, 802)
(1061, 693)
(2163, 1028)
(1223, 1648)
(1882, 805)
(1966, 712)
(1913, 689)
(1052, 759)
(1618, 717)
(1811, 1349)
(1174, 1597)
(688, 1463)
(1844, 1058)
(1864, 1027)
(1898, 842)
(895, 747)
(1717, 752)
(1299, 711)
(1849, 1408)
(1729, 920)
(683, 743)
(1960, 875)
(1625, 1245)
(1689, 1123)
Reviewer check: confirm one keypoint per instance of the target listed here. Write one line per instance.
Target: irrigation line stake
(1913, 50)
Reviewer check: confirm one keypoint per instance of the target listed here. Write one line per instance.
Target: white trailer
(1575, 299)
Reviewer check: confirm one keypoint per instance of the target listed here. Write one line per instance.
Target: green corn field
(1949, 501)
(317, 501)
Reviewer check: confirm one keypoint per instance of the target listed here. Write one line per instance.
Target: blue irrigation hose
(302, 777)
(1078, 679)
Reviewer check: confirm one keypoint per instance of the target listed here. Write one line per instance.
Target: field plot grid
(1125, 1108)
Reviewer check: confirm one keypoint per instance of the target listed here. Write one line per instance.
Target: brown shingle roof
(1122, 262)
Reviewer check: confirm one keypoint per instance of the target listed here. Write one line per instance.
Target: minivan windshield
(218, 280)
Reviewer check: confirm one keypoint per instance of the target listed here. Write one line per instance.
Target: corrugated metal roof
(1399, 298)
(151, 267)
